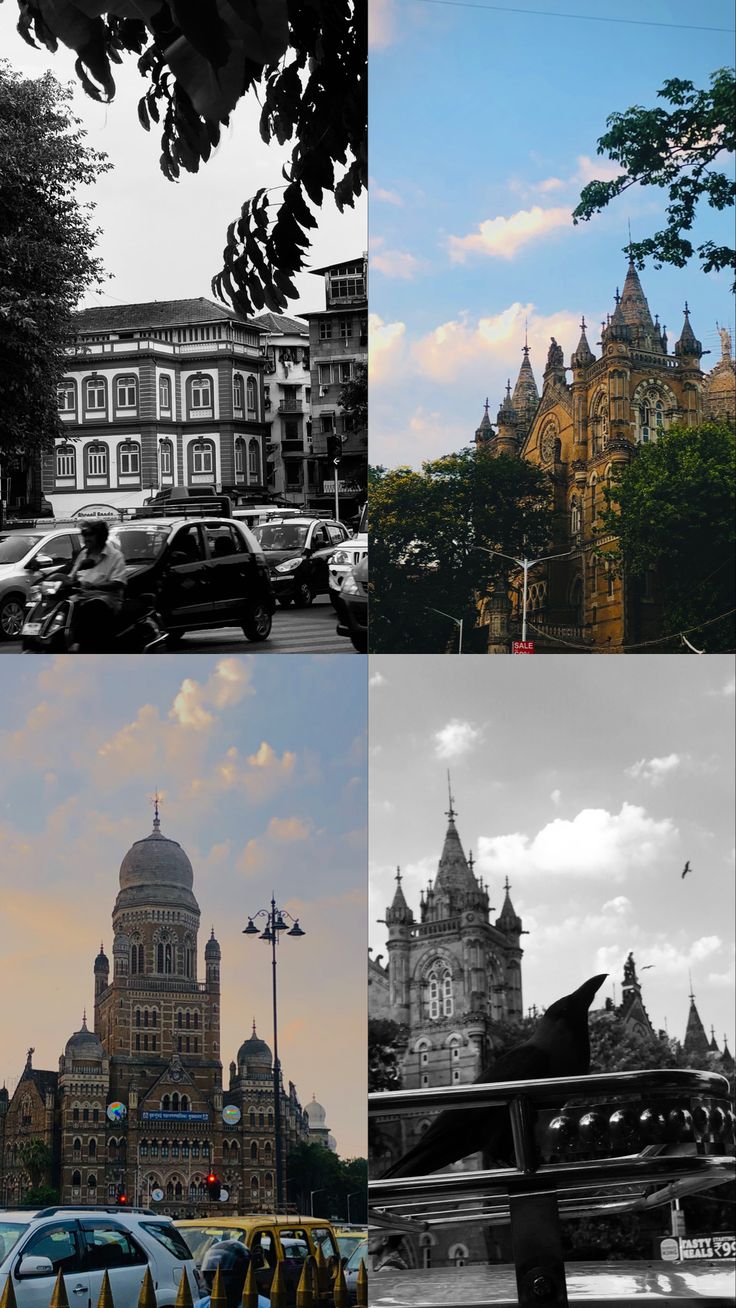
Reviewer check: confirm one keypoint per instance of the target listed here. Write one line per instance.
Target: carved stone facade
(137, 1105)
(579, 431)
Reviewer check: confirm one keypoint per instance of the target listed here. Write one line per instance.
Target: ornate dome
(256, 1051)
(212, 948)
(102, 963)
(84, 1043)
(156, 861)
(316, 1113)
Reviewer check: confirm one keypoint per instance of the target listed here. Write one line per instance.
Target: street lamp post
(525, 565)
(355, 1195)
(275, 923)
(458, 623)
(312, 1193)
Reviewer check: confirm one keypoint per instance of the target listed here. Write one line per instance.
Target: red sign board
(522, 647)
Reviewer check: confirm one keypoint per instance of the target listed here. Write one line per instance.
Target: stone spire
(508, 921)
(633, 307)
(484, 430)
(453, 874)
(696, 1041)
(399, 914)
(525, 397)
(726, 1056)
(688, 346)
(583, 356)
(713, 1044)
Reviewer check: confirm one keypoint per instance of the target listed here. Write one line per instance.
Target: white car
(84, 1243)
(26, 556)
(342, 562)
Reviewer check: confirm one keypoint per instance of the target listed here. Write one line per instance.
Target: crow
(558, 1046)
(647, 966)
(687, 868)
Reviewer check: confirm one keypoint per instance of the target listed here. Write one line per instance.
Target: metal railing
(616, 1143)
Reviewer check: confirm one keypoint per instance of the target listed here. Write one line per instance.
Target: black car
(351, 604)
(204, 573)
(297, 551)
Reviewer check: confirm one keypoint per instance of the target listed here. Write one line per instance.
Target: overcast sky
(589, 785)
(483, 123)
(164, 240)
(261, 764)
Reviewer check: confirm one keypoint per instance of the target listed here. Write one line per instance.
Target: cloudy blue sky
(163, 240)
(589, 785)
(261, 764)
(484, 120)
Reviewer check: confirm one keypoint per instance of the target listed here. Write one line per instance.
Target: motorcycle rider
(100, 569)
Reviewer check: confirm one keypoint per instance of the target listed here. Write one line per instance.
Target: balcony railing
(291, 406)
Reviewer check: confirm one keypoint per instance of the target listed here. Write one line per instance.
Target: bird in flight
(647, 966)
(558, 1046)
(687, 868)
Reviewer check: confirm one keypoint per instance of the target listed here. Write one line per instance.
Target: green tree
(424, 530)
(386, 1043)
(319, 1181)
(675, 150)
(46, 252)
(36, 1158)
(306, 64)
(672, 508)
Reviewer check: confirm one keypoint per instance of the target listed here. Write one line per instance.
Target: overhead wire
(590, 18)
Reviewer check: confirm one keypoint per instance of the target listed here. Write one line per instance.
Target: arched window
(66, 396)
(76, 1178)
(91, 1181)
(254, 1152)
(137, 1016)
(85, 1114)
(237, 391)
(254, 461)
(251, 1118)
(184, 1104)
(166, 1104)
(240, 458)
(268, 1182)
(168, 958)
(92, 1149)
(166, 457)
(593, 499)
(267, 1151)
(200, 393)
(75, 1114)
(77, 1147)
(126, 392)
(129, 459)
(448, 1003)
(260, 1119)
(66, 463)
(97, 460)
(202, 457)
(433, 995)
(574, 516)
(187, 1019)
(164, 396)
(94, 394)
(458, 1255)
(251, 394)
(650, 414)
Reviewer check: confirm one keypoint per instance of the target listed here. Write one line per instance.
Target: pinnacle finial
(691, 996)
(84, 1019)
(686, 310)
(398, 875)
(156, 801)
(254, 1027)
(507, 885)
(582, 323)
(451, 811)
(486, 406)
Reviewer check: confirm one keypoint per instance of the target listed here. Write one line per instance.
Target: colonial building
(319, 1131)
(138, 1104)
(292, 471)
(155, 395)
(580, 429)
(338, 340)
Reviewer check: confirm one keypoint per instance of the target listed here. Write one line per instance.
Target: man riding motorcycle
(99, 569)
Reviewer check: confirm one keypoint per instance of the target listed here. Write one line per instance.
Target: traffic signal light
(214, 1186)
(334, 447)
(121, 1197)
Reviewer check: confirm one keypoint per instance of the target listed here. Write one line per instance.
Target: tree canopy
(306, 63)
(425, 530)
(672, 508)
(676, 150)
(46, 251)
(320, 1182)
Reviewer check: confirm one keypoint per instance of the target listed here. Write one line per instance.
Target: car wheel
(257, 625)
(303, 596)
(12, 612)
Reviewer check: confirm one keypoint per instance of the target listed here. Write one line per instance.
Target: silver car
(26, 557)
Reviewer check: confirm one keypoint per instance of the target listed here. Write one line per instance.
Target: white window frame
(66, 390)
(251, 394)
(124, 385)
(164, 391)
(130, 453)
(96, 384)
(98, 452)
(201, 386)
(237, 391)
(65, 453)
(166, 456)
(203, 452)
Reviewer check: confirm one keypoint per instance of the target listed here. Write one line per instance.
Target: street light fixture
(275, 924)
(458, 623)
(355, 1195)
(525, 565)
(312, 1193)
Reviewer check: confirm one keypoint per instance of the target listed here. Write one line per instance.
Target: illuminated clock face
(547, 447)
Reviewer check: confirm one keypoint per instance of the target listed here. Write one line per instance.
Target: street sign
(522, 647)
(670, 1249)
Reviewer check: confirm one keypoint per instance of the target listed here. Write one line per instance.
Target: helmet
(233, 1260)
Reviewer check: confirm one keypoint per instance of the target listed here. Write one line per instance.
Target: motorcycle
(49, 622)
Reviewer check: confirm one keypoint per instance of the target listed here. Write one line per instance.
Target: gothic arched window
(448, 1003)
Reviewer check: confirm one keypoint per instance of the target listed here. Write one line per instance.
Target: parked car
(83, 1244)
(352, 1268)
(270, 1240)
(344, 558)
(348, 1238)
(351, 605)
(28, 556)
(298, 550)
(205, 572)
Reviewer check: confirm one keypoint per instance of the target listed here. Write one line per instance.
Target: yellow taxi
(270, 1240)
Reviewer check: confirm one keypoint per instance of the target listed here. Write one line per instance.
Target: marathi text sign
(175, 1117)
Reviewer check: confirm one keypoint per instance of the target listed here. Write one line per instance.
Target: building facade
(291, 469)
(138, 1105)
(338, 340)
(590, 418)
(156, 395)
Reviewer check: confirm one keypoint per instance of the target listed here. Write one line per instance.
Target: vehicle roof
(255, 1219)
(207, 520)
(331, 522)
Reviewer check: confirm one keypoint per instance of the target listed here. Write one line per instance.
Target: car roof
(257, 1219)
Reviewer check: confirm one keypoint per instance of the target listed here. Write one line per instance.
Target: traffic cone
(250, 1289)
(7, 1298)
(361, 1286)
(105, 1299)
(278, 1289)
(304, 1290)
(59, 1297)
(218, 1298)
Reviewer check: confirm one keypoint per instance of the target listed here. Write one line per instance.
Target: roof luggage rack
(615, 1143)
(95, 1208)
(209, 506)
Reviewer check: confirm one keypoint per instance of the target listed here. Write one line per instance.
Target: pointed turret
(696, 1041)
(453, 874)
(688, 347)
(525, 397)
(727, 1057)
(631, 321)
(509, 921)
(583, 356)
(399, 914)
(484, 430)
(713, 1044)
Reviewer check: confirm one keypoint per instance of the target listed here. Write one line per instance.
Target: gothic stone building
(154, 1049)
(591, 417)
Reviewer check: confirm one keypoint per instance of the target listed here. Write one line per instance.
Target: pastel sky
(163, 240)
(261, 764)
(484, 121)
(590, 792)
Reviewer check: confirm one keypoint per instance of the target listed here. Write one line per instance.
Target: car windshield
(10, 1233)
(359, 1252)
(281, 536)
(13, 548)
(141, 544)
(201, 1238)
(167, 1235)
(347, 1244)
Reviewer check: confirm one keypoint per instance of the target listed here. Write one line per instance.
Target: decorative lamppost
(275, 924)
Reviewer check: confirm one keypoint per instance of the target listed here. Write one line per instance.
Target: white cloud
(386, 346)
(618, 905)
(385, 196)
(556, 796)
(395, 263)
(595, 843)
(381, 24)
(229, 682)
(456, 738)
(466, 348)
(376, 679)
(504, 237)
(654, 770)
